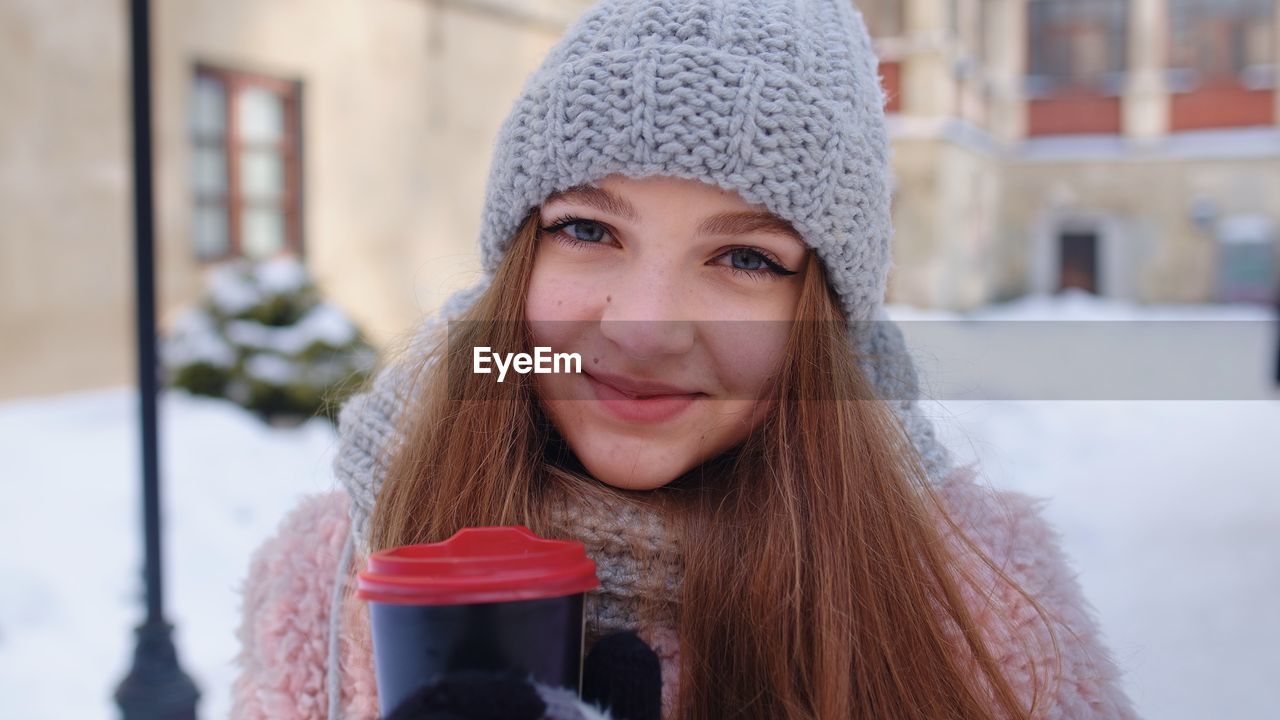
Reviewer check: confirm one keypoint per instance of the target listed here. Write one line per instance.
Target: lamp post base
(156, 688)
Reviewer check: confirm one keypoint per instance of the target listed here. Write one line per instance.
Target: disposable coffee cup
(488, 598)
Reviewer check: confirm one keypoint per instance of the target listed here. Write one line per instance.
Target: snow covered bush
(265, 339)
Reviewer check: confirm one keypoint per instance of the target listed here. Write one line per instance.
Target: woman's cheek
(559, 295)
(746, 355)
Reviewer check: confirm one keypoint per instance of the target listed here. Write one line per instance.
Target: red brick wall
(892, 74)
(1225, 103)
(1073, 113)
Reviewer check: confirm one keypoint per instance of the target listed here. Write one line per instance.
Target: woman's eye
(577, 230)
(744, 259)
(749, 262)
(754, 263)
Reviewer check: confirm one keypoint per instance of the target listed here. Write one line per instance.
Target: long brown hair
(853, 605)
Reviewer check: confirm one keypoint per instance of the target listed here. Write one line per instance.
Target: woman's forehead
(656, 185)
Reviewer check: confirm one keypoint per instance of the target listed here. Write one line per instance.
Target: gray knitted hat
(777, 100)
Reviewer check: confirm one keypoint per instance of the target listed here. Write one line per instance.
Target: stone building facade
(1130, 147)
(1127, 147)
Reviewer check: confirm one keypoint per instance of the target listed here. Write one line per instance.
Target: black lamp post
(156, 688)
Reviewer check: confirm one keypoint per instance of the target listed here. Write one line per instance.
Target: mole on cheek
(595, 361)
(608, 298)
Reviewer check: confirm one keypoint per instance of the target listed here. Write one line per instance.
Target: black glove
(621, 674)
(473, 695)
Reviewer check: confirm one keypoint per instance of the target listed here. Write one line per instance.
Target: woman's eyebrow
(727, 223)
(748, 221)
(598, 198)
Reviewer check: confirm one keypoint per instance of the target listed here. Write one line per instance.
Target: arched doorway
(1078, 260)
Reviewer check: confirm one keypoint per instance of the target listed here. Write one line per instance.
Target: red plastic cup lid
(478, 565)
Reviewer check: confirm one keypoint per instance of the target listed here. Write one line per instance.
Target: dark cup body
(414, 644)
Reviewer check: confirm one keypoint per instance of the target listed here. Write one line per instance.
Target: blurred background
(319, 172)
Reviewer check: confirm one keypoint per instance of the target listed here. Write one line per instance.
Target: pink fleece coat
(286, 602)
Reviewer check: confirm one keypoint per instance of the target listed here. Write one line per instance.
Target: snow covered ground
(70, 568)
(1170, 511)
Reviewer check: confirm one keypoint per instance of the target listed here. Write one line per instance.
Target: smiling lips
(640, 400)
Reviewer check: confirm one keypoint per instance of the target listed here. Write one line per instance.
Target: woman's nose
(648, 315)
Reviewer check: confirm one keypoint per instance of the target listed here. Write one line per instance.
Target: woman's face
(678, 296)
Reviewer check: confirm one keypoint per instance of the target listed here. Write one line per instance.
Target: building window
(1246, 245)
(246, 165)
(1077, 46)
(1216, 41)
(882, 17)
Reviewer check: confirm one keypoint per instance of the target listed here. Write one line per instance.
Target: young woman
(693, 196)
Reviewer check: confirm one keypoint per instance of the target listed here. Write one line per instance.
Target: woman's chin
(628, 476)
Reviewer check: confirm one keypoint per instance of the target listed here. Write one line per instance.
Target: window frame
(233, 200)
(1184, 78)
(1049, 26)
